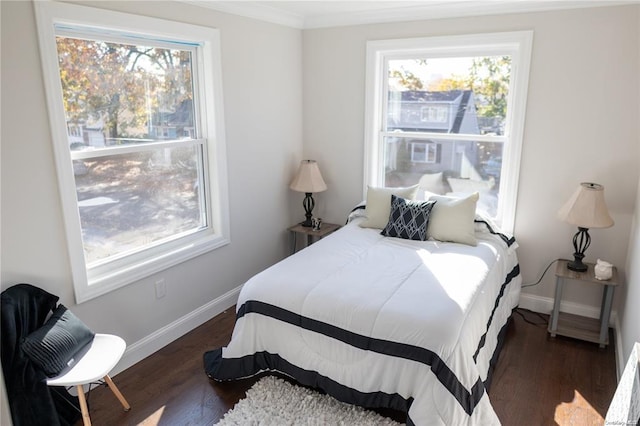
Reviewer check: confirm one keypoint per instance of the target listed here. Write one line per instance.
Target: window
(136, 116)
(423, 152)
(435, 114)
(453, 106)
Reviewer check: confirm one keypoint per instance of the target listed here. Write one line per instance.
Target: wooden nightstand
(589, 329)
(326, 229)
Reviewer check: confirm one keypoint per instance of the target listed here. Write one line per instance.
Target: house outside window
(137, 127)
(451, 107)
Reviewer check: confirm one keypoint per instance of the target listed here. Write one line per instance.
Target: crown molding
(447, 9)
(253, 9)
(384, 12)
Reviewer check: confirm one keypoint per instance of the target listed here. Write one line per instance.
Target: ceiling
(331, 13)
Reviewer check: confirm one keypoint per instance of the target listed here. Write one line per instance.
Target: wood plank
(579, 327)
(542, 380)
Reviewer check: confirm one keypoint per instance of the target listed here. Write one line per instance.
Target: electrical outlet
(161, 288)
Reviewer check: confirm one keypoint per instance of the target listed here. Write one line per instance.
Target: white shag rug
(276, 402)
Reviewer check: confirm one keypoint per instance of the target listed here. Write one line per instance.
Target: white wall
(629, 312)
(263, 101)
(581, 125)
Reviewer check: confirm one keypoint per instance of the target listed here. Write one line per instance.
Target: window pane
(449, 95)
(445, 167)
(131, 201)
(118, 93)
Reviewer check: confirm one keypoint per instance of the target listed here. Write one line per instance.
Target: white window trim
(90, 284)
(518, 44)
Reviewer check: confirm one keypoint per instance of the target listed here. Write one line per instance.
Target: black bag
(53, 346)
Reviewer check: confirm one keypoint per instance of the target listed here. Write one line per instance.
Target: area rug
(276, 402)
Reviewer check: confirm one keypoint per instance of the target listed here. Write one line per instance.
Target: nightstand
(312, 236)
(589, 329)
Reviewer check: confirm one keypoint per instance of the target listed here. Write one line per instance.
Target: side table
(576, 326)
(312, 236)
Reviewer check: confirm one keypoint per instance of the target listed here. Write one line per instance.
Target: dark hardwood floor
(538, 380)
(541, 380)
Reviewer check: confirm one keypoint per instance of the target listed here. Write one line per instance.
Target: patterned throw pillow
(408, 219)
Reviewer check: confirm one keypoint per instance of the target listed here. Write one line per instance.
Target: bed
(379, 321)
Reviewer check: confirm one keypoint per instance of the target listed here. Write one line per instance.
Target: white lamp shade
(586, 208)
(308, 178)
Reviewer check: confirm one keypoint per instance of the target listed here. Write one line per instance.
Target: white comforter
(380, 321)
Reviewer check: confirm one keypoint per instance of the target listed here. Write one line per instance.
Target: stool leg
(83, 406)
(117, 393)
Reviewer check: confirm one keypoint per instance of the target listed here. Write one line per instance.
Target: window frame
(426, 112)
(92, 282)
(517, 44)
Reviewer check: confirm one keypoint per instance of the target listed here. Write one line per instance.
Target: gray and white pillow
(408, 219)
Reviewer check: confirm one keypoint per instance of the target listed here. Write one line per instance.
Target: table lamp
(585, 209)
(308, 180)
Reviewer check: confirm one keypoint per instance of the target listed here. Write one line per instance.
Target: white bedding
(380, 321)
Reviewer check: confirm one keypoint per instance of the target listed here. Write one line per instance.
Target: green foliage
(488, 77)
(490, 82)
(122, 85)
(407, 79)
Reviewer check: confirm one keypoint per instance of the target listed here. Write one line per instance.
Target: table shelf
(575, 326)
(579, 327)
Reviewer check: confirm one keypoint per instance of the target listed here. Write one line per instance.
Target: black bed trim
(251, 365)
(496, 352)
(362, 207)
(275, 363)
(468, 400)
(510, 276)
(507, 240)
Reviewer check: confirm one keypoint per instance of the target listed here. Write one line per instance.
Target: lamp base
(308, 204)
(577, 265)
(581, 242)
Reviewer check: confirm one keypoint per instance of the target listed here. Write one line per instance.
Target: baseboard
(544, 305)
(141, 349)
(620, 361)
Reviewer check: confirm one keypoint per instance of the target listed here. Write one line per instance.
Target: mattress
(381, 322)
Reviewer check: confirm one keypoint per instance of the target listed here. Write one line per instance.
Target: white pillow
(432, 182)
(379, 204)
(469, 186)
(452, 219)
